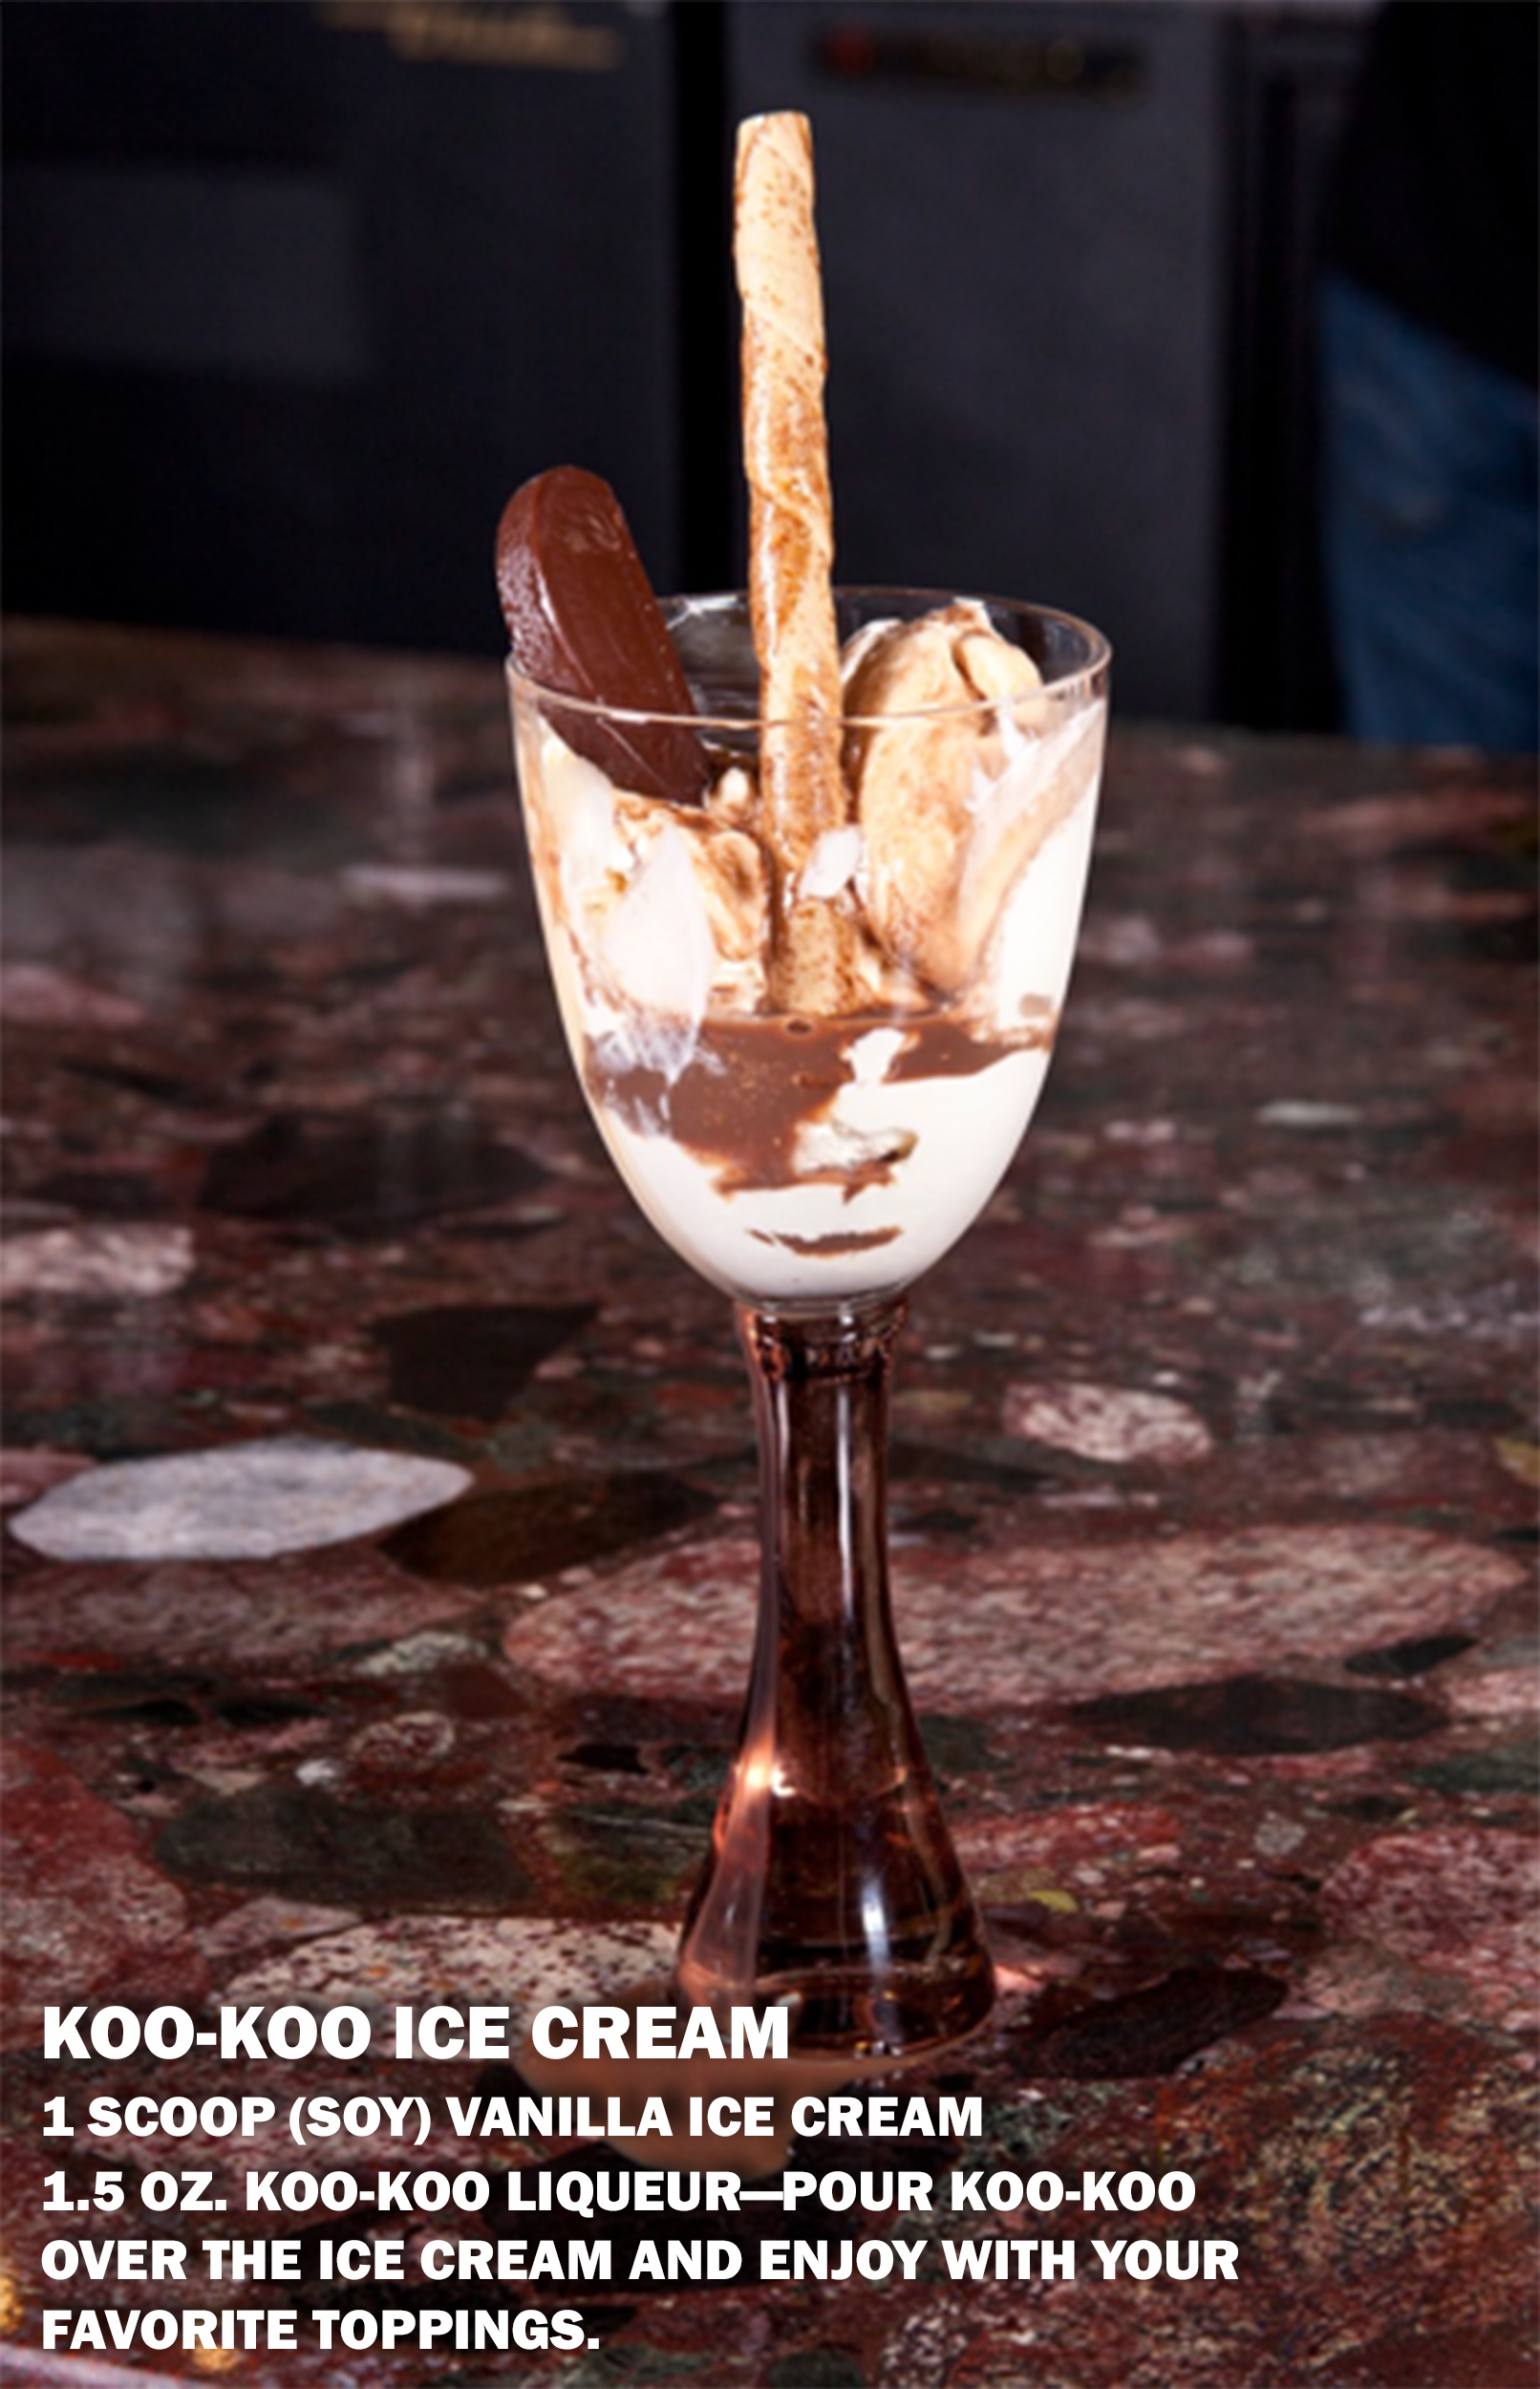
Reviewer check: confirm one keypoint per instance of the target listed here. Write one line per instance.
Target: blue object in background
(1432, 531)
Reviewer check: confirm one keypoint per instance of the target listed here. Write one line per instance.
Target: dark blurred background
(297, 290)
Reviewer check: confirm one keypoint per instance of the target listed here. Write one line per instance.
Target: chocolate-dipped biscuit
(582, 620)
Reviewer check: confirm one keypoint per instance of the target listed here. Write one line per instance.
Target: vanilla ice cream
(793, 1156)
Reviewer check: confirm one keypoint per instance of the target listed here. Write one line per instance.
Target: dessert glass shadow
(812, 1163)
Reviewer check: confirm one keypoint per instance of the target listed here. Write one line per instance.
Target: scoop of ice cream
(728, 872)
(922, 763)
(666, 904)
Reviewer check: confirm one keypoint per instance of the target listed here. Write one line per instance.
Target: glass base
(846, 2010)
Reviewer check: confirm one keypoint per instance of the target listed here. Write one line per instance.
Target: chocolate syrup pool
(755, 1083)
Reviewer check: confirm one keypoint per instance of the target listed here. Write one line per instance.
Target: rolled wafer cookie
(791, 550)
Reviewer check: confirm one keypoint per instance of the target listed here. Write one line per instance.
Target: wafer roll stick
(791, 545)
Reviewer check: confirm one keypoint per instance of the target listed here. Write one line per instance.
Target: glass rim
(1077, 686)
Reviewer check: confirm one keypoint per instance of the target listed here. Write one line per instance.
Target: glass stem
(833, 1882)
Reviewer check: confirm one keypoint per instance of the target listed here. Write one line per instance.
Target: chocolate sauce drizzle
(754, 1081)
(828, 1247)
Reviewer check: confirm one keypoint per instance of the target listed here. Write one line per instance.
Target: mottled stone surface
(1049, 1616)
(468, 1360)
(531, 1961)
(1106, 1423)
(40, 995)
(128, 1262)
(251, 1614)
(1212, 1506)
(1458, 1903)
(365, 1176)
(28, 1473)
(239, 1501)
(87, 1914)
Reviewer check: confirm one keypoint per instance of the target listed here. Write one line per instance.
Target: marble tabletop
(380, 1546)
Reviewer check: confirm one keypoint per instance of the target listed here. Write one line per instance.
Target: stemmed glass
(813, 1168)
